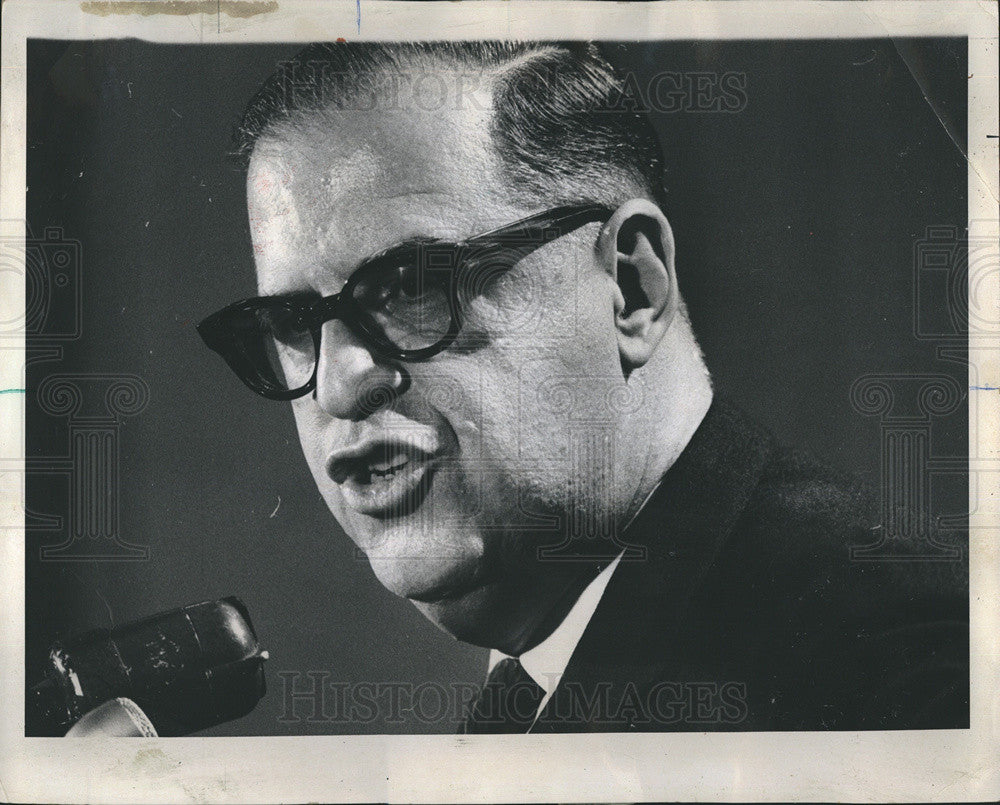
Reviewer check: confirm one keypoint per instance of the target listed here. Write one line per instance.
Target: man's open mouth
(383, 479)
(388, 468)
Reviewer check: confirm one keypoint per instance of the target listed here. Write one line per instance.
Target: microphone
(188, 669)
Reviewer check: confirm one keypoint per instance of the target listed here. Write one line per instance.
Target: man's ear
(637, 247)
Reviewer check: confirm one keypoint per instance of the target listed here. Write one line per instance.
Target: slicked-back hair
(561, 123)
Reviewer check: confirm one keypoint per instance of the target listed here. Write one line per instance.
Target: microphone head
(118, 718)
(188, 669)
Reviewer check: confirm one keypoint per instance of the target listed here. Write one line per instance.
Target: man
(468, 294)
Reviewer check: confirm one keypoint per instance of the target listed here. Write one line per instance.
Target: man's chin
(427, 582)
(469, 615)
(461, 602)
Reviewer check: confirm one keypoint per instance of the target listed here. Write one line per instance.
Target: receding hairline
(547, 122)
(607, 184)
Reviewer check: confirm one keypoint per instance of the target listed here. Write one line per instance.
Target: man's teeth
(389, 466)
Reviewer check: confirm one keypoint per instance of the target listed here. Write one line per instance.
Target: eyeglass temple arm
(570, 216)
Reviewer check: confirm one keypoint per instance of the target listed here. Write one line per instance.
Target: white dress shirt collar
(546, 662)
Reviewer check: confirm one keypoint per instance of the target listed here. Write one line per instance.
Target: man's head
(573, 381)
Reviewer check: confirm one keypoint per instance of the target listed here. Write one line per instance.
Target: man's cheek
(307, 427)
(316, 463)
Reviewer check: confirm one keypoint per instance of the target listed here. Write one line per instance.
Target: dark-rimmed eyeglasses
(405, 304)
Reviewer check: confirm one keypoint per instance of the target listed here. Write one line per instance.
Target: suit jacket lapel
(633, 642)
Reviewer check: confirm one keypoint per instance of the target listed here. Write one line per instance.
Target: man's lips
(384, 478)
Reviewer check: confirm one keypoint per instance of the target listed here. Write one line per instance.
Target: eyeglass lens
(403, 306)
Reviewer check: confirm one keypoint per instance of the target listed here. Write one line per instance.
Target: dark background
(795, 220)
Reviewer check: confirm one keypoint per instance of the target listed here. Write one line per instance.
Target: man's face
(450, 486)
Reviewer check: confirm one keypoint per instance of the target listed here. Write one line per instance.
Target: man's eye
(410, 282)
(405, 284)
(285, 325)
(400, 283)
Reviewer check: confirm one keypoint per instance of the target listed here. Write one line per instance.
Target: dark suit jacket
(749, 613)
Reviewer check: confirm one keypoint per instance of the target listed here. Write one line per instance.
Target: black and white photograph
(436, 384)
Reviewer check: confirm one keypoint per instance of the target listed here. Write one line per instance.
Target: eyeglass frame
(547, 225)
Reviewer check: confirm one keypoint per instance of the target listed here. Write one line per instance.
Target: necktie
(508, 701)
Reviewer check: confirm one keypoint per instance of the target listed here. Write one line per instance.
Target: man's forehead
(345, 184)
(338, 155)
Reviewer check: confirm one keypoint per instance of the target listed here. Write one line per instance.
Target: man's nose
(351, 382)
